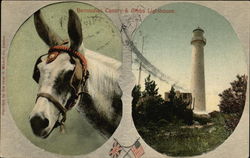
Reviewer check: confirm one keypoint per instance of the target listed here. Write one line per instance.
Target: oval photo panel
(63, 90)
(191, 80)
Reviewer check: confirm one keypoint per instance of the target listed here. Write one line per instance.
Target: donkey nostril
(45, 123)
(38, 124)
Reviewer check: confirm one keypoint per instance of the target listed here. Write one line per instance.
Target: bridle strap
(58, 105)
(54, 52)
(71, 101)
(57, 50)
(70, 51)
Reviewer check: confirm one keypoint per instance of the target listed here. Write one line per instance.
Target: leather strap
(68, 50)
(53, 53)
(58, 105)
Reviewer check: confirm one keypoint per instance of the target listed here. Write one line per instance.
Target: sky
(167, 45)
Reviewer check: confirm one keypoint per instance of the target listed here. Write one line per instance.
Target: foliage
(150, 88)
(148, 105)
(136, 94)
(177, 139)
(171, 128)
(233, 100)
(203, 120)
(172, 94)
(145, 103)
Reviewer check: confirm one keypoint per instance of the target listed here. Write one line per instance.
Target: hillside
(178, 139)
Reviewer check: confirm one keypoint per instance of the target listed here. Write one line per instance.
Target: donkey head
(59, 73)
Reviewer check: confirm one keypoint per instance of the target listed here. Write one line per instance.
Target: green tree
(177, 108)
(136, 94)
(233, 100)
(172, 94)
(146, 103)
(150, 88)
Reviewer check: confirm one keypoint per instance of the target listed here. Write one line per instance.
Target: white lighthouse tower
(198, 77)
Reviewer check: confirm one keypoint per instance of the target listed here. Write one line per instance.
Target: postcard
(124, 79)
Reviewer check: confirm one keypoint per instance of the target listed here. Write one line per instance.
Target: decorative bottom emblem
(136, 150)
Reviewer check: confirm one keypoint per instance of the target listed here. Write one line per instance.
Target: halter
(56, 50)
(52, 55)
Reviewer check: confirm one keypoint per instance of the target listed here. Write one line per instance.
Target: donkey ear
(74, 30)
(43, 30)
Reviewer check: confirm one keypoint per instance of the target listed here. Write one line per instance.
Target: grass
(177, 139)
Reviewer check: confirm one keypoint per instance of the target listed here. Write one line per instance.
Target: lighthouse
(198, 75)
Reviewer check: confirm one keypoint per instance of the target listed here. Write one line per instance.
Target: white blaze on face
(48, 75)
